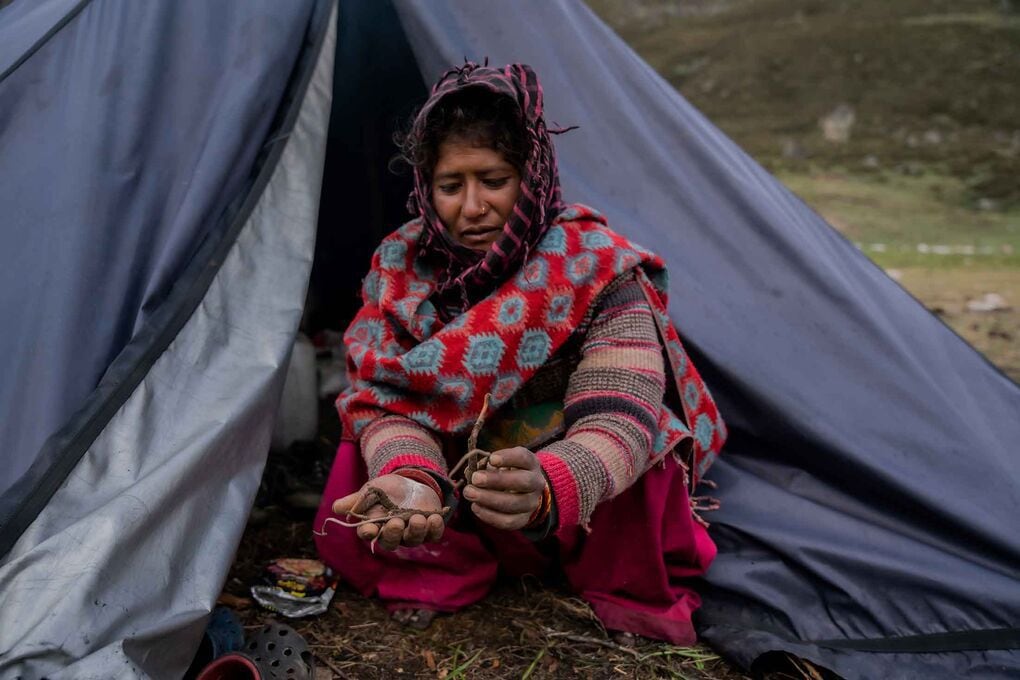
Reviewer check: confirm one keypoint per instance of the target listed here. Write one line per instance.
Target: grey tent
(160, 173)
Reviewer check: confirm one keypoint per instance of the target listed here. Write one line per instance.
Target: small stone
(836, 126)
(989, 302)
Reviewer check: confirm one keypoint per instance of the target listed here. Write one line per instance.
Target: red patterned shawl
(404, 360)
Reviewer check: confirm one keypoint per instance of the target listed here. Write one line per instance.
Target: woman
(499, 293)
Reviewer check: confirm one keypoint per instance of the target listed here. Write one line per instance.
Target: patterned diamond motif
(641, 250)
(533, 275)
(661, 437)
(692, 397)
(356, 354)
(384, 375)
(426, 319)
(671, 431)
(410, 231)
(581, 268)
(570, 213)
(484, 353)
(406, 309)
(703, 430)
(596, 240)
(625, 261)
(423, 418)
(505, 387)
(512, 310)
(679, 356)
(361, 423)
(534, 349)
(460, 389)
(554, 242)
(425, 324)
(419, 288)
(370, 288)
(558, 308)
(384, 394)
(425, 359)
(392, 255)
(369, 332)
(456, 323)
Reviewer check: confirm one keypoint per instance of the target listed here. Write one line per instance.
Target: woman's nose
(474, 202)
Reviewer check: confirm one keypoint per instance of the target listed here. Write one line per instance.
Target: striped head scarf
(466, 276)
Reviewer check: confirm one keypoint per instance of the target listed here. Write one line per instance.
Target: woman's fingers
(435, 528)
(368, 532)
(517, 457)
(391, 533)
(517, 481)
(415, 531)
(342, 506)
(501, 501)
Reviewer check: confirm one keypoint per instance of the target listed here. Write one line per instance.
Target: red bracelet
(542, 511)
(421, 476)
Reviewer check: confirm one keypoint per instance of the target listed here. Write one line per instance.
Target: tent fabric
(871, 483)
(215, 217)
(107, 213)
(161, 167)
(27, 26)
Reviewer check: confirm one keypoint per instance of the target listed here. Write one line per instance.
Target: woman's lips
(479, 235)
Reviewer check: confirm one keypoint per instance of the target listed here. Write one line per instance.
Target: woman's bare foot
(419, 619)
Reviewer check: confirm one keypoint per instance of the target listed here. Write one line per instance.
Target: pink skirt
(634, 568)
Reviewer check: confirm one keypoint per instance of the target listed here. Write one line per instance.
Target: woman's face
(474, 189)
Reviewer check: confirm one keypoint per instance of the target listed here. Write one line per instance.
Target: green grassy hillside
(933, 85)
(923, 169)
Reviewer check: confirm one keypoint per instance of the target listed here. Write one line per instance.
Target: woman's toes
(624, 639)
(419, 619)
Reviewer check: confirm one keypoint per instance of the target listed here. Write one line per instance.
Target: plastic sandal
(280, 652)
(277, 651)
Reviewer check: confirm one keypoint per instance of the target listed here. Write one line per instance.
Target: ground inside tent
(524, 629)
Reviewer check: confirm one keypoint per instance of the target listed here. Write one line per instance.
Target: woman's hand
(507, 498)
(405, 493)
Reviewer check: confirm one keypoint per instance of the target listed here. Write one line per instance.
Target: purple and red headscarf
(465, 275)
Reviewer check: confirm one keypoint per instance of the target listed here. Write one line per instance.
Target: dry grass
(524, 629)
(946, 292)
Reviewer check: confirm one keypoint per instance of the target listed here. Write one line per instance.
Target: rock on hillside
(934, 84)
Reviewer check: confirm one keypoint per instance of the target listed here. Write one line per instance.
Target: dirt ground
(524, 629)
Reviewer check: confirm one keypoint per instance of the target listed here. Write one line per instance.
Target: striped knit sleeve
(611, 407)
(393, 442)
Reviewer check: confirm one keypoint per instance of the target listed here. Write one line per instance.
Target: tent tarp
(871, 483)
(159, 214)
(128, 177)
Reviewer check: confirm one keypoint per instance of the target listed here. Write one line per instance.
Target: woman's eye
(449, 188)
(496, 183)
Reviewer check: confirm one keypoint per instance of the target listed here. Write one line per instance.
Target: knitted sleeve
(611, 407)
(393, 442)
